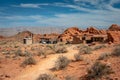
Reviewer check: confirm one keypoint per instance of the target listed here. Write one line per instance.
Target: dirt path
(43, 66)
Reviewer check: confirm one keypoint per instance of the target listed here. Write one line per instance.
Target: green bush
(98, 70)
(116, 51)
(61, 62)
(46, 77)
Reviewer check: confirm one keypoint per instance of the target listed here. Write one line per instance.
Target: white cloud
(27, 5)
(73, 19)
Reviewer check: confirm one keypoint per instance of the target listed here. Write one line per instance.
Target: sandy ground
(43, 66)
(76, 69)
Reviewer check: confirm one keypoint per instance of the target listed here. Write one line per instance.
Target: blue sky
(59, 13)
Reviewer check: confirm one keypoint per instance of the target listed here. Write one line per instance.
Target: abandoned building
(94, 38)
(88, 38)
(48, 40)
(27, 40)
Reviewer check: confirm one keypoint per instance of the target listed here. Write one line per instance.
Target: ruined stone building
(27, 41)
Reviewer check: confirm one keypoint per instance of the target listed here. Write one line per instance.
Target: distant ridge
(36, 30)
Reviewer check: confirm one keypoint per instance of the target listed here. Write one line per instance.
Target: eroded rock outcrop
(92, 30)
(114, 36)
(114, 27)
(69, 34)
(114, 33)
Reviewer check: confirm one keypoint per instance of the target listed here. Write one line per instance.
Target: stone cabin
(27, 40)
(94, 38)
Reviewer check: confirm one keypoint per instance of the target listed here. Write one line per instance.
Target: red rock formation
(69, 34)
(114, 33)
(36, 38)
(25, 34)
(21, 35)
(114, 36)
(95, 31)
(114, 27)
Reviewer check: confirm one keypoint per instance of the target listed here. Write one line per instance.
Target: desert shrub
(27, 54)
(99, 47)
(48, 52)
(3, 42)
(61, 62)
(22, 54)
(46, 77)
(116, 45)
(42, 52)
(77, 57)
(28, 61)
(98, 70)
(19, 53)
(60, 49)
(103, 56)
(85, 50)
(116, 51)
(69, 78)
(50, 46)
